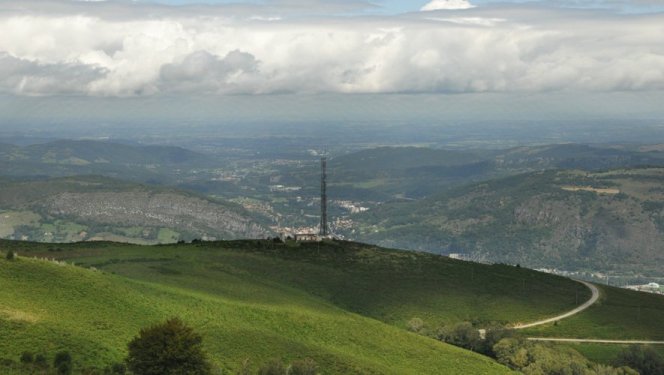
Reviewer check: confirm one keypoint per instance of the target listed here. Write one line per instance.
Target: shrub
(119, 369)
(462, 334)
(643, 359)
(273, 367)
(415, 325)
(62, 363)
(64, 368)
(304, 367)
(41, 361)
(168, 348)
(11, 255)
(27, 357)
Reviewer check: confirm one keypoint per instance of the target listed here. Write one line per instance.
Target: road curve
(587, 304)
(595, 341)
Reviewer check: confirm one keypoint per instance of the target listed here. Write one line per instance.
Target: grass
(47, 306)
(391, 286)
(344, 304)
(619, 314)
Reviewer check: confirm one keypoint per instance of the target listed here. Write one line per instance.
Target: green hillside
(389, 285)
(99, 208)
(46, 307)
(565, 219)
(346, 305)
(619, 315)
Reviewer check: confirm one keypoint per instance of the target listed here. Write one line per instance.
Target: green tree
(462, 334)
(643, 359)
(170, 348)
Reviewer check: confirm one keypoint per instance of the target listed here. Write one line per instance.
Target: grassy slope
(46, 307)
(392, 286)
(620, 314)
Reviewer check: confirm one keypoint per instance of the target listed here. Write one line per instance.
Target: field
(48, 306)
(346, 305)
(619, 314)
(391, 286)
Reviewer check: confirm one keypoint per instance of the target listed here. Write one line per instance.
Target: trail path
(587, 304)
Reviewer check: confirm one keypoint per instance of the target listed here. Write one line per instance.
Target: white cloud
(447, 5)
(124, 49)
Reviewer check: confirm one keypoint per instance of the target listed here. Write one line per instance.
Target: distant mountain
(98, 208)
(568, 219)
(385, 173)
(98, 152)
(68, 158)
(578, 156)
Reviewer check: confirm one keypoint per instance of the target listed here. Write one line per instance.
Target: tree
(170, 348)
(462, 334)
(643, 359)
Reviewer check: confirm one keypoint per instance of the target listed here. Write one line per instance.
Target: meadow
(346, 305)
(48, 306)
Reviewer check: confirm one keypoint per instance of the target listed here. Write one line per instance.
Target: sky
(119, 51)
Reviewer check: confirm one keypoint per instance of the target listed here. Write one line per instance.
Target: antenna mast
(323, 197)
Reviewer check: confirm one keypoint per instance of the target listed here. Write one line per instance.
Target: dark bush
(61, 357)
(644, 359)
(462, 334)
(41, 361)
(27, 357)
(118, 369)
(64, 368)
(11, 255)
(62, 363)
(168, 348)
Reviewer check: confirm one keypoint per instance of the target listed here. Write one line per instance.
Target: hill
(385, 173)
(346, 305)
(99, 208)
(573, 220)
(81, 153)
(144, 163)
(220, 290)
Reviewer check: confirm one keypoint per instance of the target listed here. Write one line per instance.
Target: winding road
(587, 304)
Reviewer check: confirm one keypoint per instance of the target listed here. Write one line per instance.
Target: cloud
(24, 77)
(123, 49)
(203, 72)
(447, 5)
